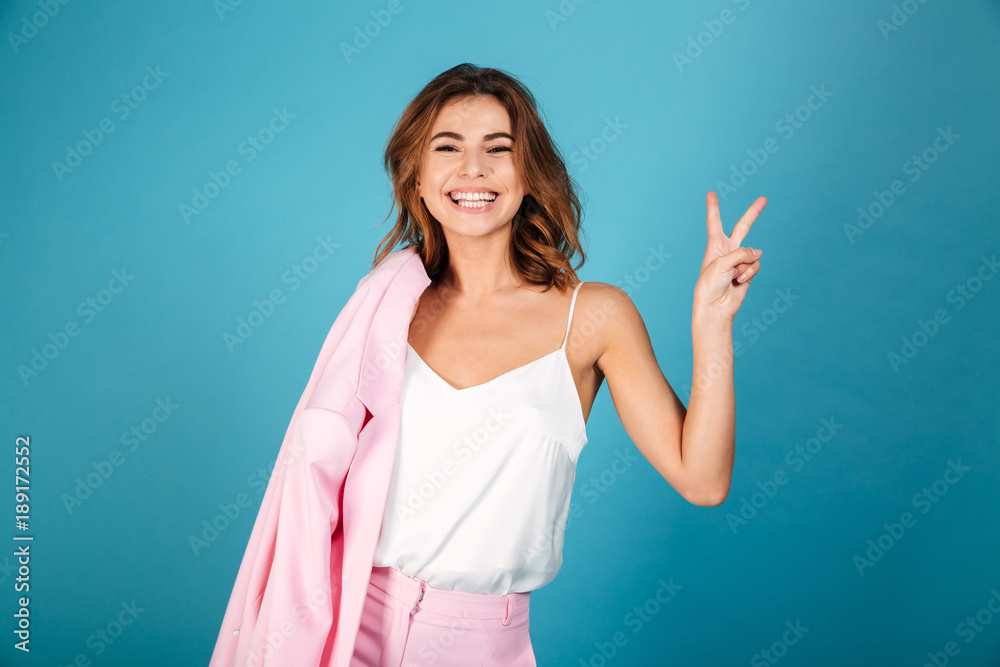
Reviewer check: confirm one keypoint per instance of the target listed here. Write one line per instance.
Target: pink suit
(302, 584)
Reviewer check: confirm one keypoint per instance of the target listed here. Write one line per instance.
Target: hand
(727, 269)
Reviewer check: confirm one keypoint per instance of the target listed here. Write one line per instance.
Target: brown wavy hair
(545, 231)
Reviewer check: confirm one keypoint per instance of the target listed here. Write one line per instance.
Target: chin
(473, 227)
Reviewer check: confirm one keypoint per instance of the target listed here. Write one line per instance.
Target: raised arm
(693, 449)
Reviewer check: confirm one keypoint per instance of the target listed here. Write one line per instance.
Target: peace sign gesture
(728, 268)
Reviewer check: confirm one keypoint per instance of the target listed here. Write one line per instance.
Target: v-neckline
(458, 390)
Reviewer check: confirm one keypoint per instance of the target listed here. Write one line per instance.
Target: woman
(501, 372)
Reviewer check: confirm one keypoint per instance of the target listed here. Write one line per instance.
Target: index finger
(743, 225)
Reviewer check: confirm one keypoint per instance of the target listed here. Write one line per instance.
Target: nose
(472, 164)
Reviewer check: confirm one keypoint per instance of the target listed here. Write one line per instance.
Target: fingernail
(756, 252)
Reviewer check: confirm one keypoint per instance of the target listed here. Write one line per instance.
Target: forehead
(472, 117)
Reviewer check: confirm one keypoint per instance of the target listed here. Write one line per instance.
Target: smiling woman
(485, 198)
(471, 402)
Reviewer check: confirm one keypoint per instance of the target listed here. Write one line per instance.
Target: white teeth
(473, 204)
(473, 196)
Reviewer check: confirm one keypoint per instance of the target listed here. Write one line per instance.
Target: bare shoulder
(606, 319)
(608, 306)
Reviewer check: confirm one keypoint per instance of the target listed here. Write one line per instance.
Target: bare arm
(694, 448)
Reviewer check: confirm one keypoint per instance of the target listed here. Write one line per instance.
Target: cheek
(429, 165)
(511, 179)
(437, 175)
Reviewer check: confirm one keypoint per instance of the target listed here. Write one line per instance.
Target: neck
(478, 267)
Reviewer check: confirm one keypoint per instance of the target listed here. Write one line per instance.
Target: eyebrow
(459, 137)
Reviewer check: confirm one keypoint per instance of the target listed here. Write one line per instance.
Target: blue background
(684, 127)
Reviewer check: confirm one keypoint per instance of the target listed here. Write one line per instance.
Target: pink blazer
(299, 593)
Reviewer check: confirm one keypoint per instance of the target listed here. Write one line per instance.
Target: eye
(499, 148)
(444, 148)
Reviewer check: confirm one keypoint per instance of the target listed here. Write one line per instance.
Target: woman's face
(469, 159)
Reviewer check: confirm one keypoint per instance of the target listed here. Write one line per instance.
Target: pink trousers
(406, 622)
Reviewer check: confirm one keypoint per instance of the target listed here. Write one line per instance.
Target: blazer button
(236, 631)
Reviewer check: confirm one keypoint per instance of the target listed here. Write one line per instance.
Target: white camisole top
(481, 485)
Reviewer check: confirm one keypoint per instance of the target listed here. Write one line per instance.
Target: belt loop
(506, 613)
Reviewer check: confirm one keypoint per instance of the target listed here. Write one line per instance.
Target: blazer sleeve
(283, 609)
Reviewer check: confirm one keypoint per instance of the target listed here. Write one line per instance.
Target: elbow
(708, 496)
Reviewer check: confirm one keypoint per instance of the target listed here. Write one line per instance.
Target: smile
(474, 202)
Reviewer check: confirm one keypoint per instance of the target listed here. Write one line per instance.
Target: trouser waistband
(418, 594)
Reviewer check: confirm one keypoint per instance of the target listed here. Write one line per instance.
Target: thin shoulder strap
(569, 320)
